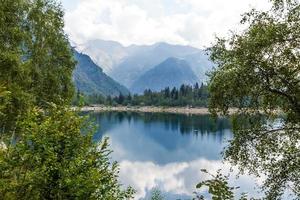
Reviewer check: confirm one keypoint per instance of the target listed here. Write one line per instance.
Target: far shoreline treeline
(186, 95)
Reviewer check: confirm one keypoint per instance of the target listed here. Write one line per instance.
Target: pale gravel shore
(148, 109)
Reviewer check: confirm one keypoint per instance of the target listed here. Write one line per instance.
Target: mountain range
(89, 78)
(135, 66)
(173, 72)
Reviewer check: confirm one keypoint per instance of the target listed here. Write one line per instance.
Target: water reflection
(186, 124)
(165, 150)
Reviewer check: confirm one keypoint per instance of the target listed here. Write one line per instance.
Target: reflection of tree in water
(186, 124)
(170, 132)
(197, 124)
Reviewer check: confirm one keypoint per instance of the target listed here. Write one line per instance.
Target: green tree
(109, 100)
(156, 194)
(55, 158)
(218, 188)
(36, 62)
(46, 150)
(258, 72)
(13, 72)
(4, 99)
(167, 92)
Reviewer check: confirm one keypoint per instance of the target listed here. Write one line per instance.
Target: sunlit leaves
(259, 73)
(46, 150)
(218, 187)
(54, 157)
(36, 61)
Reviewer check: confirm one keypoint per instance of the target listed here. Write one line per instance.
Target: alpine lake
(167, 152)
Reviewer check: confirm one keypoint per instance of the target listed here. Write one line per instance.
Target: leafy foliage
(46, 150)
(54, 158)
(217, 187)
(36, 63)
(156, 194)
(4, 98)
(258, 72)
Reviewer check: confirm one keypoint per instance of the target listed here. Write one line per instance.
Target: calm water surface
(166, 151)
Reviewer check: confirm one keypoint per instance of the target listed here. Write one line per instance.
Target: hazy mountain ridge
(172, 72)
(89, 78)
(128, 64)
(136, 65)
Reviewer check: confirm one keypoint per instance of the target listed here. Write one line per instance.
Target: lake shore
(149, 109)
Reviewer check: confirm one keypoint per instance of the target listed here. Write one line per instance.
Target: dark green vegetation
(46, 150)
(259, 70)
(156, 195)
(218, 188)
(195, 96)
(35, 61)
(52, 159)
(90, 78)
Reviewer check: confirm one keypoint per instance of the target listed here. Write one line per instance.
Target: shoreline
(149, 109)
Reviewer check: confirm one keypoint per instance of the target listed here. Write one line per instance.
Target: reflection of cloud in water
(167, 151)
(178, 178)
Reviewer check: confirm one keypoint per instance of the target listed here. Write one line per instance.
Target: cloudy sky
(187, 22)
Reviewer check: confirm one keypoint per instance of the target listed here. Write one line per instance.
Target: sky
(185, 22)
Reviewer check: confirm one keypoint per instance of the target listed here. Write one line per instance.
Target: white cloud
(192, 22)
